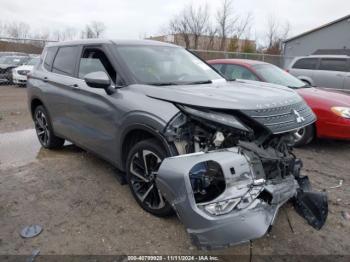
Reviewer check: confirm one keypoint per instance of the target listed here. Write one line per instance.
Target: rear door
(331, 73)
(59, 82)
(304, 69)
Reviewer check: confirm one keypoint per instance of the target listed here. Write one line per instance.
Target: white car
(19, 74)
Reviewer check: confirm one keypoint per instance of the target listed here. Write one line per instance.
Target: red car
(331, 108)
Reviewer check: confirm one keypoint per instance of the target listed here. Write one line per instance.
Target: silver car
(217, 153)
(329, 71)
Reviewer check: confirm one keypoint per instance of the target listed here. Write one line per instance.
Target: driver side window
(93, 60)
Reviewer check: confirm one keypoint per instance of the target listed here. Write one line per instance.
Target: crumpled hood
(329, 97)
(226, 95)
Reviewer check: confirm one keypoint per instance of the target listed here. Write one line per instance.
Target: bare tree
(2, 29)
(98, 28)
(226, 19)
(17, 29)
(197, 20)
(190, 24)
(179, 26)
(243, 25)
(93, 30)
(230, 24)
(275, 34)
(212, 32)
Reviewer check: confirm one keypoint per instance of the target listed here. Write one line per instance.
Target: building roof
(317, 28)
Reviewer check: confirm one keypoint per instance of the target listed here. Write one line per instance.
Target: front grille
(283, 119)
(23, 72)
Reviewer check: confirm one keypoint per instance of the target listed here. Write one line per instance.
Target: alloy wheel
(143, 171)
(42, 127)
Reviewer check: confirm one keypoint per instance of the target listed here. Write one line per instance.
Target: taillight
(287, 70)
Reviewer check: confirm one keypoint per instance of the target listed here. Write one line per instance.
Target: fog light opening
(265, 196)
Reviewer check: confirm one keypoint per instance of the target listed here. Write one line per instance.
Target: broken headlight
(222, 207)
(216, 117)
(207, 181)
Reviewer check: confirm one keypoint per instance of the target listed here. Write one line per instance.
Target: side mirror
(97, 80)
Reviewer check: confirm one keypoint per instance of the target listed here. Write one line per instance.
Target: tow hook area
(312, 206)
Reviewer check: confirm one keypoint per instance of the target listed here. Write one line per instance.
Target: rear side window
(50, 55)
(306, 63)
(334, 64)
(65, 60)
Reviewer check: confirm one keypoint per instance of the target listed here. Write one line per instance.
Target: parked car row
(14, 67)
(332, 108)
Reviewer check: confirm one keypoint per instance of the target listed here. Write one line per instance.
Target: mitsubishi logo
(297, 116)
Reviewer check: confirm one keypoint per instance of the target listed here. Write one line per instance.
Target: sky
(134, 19)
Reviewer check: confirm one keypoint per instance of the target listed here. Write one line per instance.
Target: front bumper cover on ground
(245, 222)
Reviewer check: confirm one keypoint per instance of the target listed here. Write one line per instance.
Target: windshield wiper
(199, 82)
(162, 84)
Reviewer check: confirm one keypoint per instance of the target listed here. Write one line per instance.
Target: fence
(278, 60)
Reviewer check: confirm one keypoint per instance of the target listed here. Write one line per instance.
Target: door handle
(75, 85)
(340, 75)
(45, 79)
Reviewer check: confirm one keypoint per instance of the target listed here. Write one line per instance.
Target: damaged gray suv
(217, 153)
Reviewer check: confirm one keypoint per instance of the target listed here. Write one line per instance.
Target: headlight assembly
(216, 117)
(341, 111)
(222, 207)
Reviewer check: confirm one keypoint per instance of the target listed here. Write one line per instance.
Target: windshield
(33, 61)
(164, 65)
(11, 60)
(275, 75)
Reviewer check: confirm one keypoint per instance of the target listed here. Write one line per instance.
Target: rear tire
(44, 129)
(142, 166)
(304, 136)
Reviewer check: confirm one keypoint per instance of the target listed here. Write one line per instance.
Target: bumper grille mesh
(283, 119)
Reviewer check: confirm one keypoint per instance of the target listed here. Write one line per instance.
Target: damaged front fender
(242, 210)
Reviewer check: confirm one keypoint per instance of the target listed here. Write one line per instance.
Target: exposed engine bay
(231, 176)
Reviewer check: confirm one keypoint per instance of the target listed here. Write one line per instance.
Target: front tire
(304, 136)
(44, 129)
(142, 165)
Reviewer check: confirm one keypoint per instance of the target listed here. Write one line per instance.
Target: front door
(95, 112)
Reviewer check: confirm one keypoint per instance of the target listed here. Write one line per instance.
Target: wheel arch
(137, 133)
(306, 79)
(34, 103)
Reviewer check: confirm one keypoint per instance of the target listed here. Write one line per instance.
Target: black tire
(141, 182)
(305, 136)
(44, 129)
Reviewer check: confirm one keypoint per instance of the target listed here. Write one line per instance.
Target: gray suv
(329, 71)
(189, 141)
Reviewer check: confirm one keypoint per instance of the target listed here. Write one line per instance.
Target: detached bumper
(251, 217)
